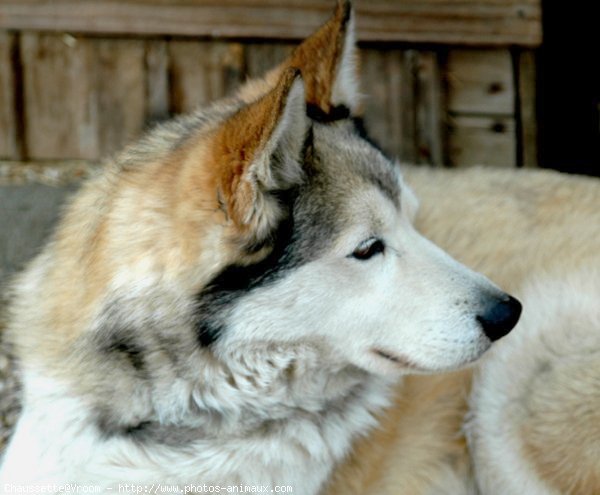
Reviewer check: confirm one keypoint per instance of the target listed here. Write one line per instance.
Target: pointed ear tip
(344, 10)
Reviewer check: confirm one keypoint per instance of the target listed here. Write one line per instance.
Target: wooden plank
(121, 92)
(404, 103)
(482, 141)
(202, 71)
(389, 85)
(386, 90)
(480, 82)
(157, 81)
(527, 111)
(474, 22)
(408, 113)
(187, 75)
(9, 145)
(261, 57)
(61, 113)
(430, 109)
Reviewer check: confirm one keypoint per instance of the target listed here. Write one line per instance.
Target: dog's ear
(327, 60)
(258, 151)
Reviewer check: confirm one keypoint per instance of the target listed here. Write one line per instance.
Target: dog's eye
(368, 249)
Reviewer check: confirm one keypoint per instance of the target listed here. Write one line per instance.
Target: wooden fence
(447, 82)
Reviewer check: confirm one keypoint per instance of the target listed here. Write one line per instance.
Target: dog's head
(318, 224)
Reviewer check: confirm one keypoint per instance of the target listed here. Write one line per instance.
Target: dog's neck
(273, 414)
(252, 387)
(294, 404)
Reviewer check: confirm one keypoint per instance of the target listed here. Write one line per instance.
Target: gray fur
(150, 353)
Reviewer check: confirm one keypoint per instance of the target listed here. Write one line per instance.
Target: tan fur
(167, 241)
(510, 225)
(319, 58)
(238, 143)
(561, 438)
(165, 217)
(417, 440)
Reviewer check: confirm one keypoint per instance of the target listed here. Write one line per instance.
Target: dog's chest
(296, 450)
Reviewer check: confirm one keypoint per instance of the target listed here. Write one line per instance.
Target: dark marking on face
(285, 253)
(209, 327)
(300, 237)
(313, 214)
(387, 184)
(337, 112)
(236, 280)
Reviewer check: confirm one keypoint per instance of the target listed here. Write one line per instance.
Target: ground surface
(28, 210)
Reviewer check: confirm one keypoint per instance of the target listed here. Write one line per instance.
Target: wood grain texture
(489, 141)
(387, 86)
(61, 109)
(86, 97)
(259, 58)
(493, 22)
(202, 72)
(480, 82)
(527, 108)
(404, 103)
(157, 81)
(121, 93)
(430, 109)
(9, 146)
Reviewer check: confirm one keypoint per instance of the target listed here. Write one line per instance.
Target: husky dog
(229, 301)
(533, 419)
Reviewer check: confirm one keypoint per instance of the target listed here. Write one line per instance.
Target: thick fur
(229, 301)
(206, 313)
(532, 423)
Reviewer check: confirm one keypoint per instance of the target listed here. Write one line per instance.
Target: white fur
(414, 301)
(56, 441)
(346, 88)
(288, 135)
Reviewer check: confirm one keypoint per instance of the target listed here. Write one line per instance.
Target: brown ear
(258, 152)
(327, 60)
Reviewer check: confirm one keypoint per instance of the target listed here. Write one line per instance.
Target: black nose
(500, 317)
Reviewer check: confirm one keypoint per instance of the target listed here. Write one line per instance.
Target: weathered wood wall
(475, 22)
(78, 81)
